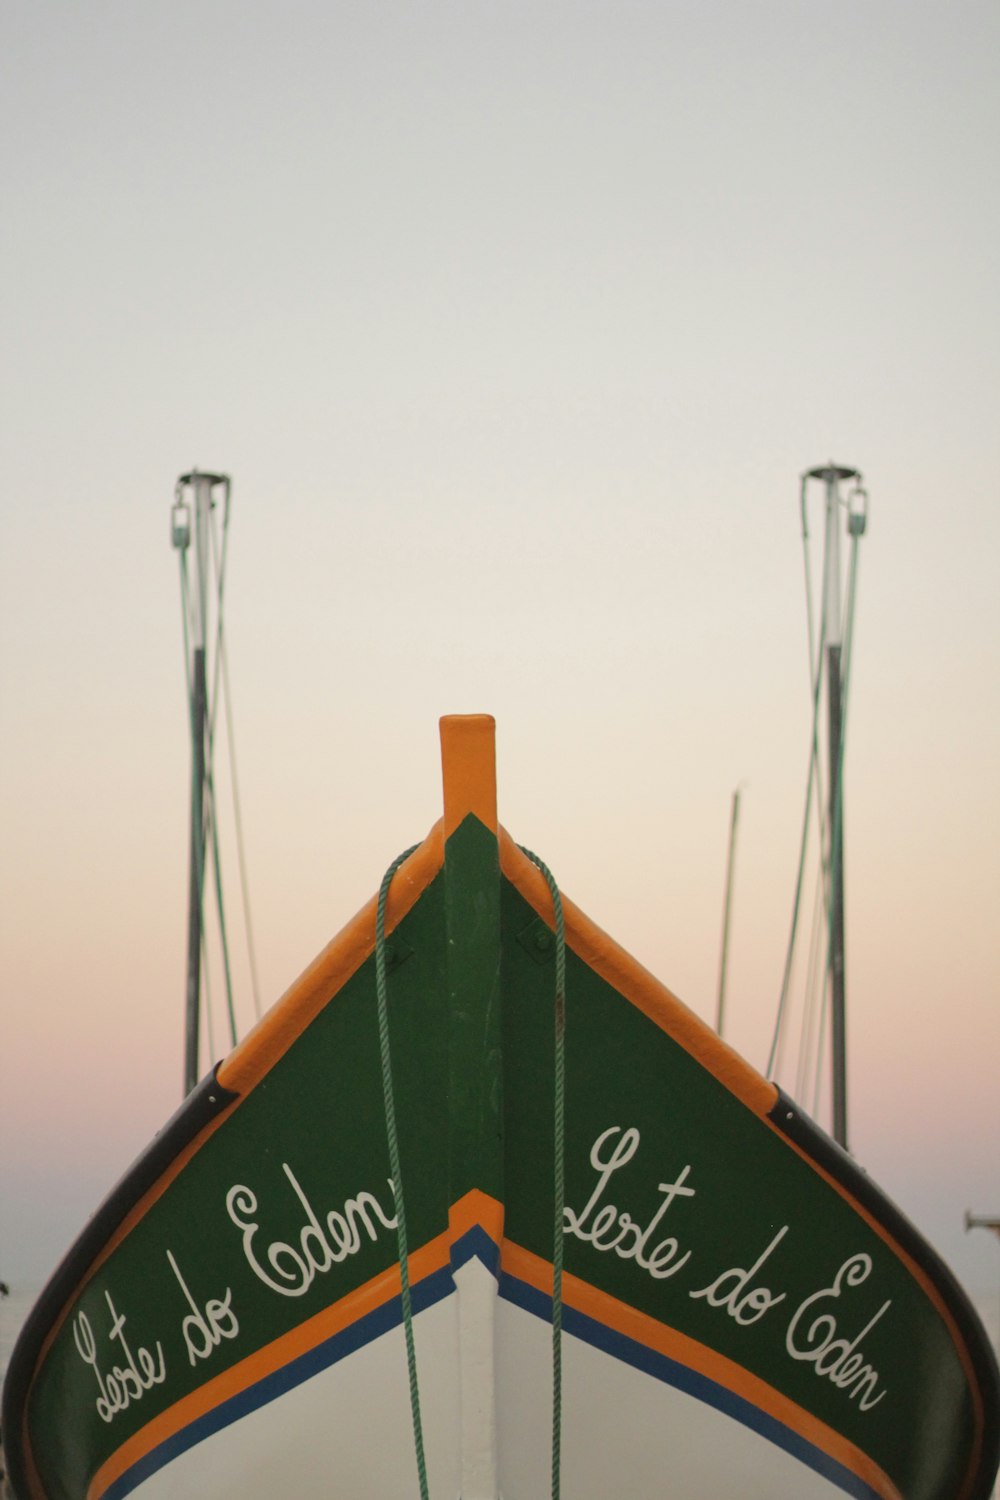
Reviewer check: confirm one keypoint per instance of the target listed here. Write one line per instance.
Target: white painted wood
(477, 1304)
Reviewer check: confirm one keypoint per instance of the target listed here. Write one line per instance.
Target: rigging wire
(829, 828)
(816, 1013)
(203, 803)
(208, 1007)
(780, 1020)
(220, 908)
(856, 526)
(824, 1007)
(198, 811)
(222, 660)
(809, 1044)
(204, 798)
(213, 703)
(815, 673)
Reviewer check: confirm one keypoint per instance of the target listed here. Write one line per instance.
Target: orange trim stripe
(638, 985)
(644, 1330)
(271, 1038)
(468, 767)
(264, 1362)
(475, 1209)
(929, 1290)
(470, 786)
(262, 1047)
(643, 990)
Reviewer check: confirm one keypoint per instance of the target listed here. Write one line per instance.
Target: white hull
(743, 1313)
(347, 1428)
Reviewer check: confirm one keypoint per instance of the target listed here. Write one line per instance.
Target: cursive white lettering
(122, 1384)
(619, 1231)
(745, 1306)
(204, 1330)
(290, 1270)
(836, 1359)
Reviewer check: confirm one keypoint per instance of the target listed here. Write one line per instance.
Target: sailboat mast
(832, 634)
(201, 487)
(727, 912)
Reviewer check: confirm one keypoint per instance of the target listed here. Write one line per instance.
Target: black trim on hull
(210, 1100)
(819, 1147)
(202, 1105)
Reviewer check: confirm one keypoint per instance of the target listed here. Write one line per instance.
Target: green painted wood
(745, 1185)
(475, 1072)
(319, 1114)
(681, 1203)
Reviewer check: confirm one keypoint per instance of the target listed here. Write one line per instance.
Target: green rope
(397, 1176)
(559, 1169)
(559, 1175)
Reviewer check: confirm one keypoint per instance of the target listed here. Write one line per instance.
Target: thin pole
(202, 486)
(838, 1016)
(833, 634)
(972, 1221)
(192, 1012)
(979, 1221)
(727, 912)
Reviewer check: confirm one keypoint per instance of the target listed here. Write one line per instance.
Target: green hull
(722, 1263)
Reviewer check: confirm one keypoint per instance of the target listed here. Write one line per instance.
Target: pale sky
(515, 327)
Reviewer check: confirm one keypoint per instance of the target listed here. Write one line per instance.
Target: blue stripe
(476, 1244)
(424, 1294)
(682, 1378)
